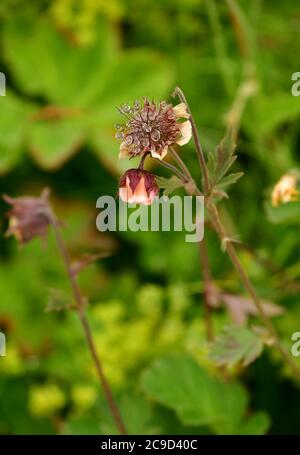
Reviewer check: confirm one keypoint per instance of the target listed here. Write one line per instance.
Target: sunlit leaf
(236, 345)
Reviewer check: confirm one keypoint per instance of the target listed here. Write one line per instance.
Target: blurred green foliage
(69, 63)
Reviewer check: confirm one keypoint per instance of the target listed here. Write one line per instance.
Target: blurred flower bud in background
(28, 216)
(285, 190)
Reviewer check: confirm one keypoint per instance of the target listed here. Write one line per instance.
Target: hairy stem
(80, 304)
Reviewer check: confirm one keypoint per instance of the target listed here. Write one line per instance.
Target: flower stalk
(200, 154)
(207, 286)
(230, 248)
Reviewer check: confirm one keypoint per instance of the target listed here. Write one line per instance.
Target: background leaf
(198, 399)
(236, 345)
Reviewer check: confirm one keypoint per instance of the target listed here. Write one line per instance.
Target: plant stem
(199, 150)
(231, 251)
(207, 282)
(174, 169)
(219, 44)
(181, 163)
(204, 261)
(80, 304)
(249, 85)
(142, 162)
(243, 30)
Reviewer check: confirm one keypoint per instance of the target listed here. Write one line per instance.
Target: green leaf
(219, 189)
(61, 76)
(137, 414)
(220, 162)
(256, 424)
(52, 143)
(197, 398)
(37, 44)
(169, 185)
(284, 213)
(230, 179)
(13, 124)
(57, 300)
(273, 111)
(236, 345)
(82, 426)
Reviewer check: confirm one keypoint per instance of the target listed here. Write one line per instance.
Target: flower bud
(27, 216)
(138, 186)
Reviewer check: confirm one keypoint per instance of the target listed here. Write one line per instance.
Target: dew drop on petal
(125, 108)
(118, 126)
(144, 116)
(145, 142)
(136, 149)
(152, 115)
(129, 140)
(146, 127)
(119, 135)
(155, 135)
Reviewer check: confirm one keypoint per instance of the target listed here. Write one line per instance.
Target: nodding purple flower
(138, 186)
(152, 128)
(28, 216)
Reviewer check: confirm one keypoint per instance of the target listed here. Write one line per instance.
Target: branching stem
(230, 248)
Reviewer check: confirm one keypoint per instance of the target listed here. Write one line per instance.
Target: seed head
(152, 127)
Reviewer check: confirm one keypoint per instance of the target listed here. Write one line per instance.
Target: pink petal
(125, 194)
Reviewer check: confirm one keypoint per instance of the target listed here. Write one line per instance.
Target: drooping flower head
(285, 190)
(138, 186)
(27, 216)
(152, 127)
